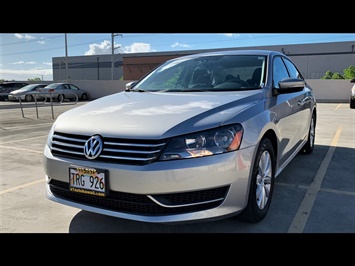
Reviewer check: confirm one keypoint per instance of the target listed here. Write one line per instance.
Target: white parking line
(22, 186)
(28, 126)
(338, 106)
(20, 149)
(350, 193)
(305, 208)
(43, 136)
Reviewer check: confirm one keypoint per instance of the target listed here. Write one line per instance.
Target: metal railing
(47, 95)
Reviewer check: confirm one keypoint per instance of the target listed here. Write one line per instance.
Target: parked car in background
(62, 91)
(27, 93)
(352, 95)
(7, 87)
(200, 137)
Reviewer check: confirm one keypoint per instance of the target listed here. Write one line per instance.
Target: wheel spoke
(263, 180)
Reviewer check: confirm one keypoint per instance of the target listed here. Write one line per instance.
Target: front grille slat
(137, 145)
(115, 150)
(127, 158)
(69, 139)
(60, 143)
(66, 151)
(132, 151)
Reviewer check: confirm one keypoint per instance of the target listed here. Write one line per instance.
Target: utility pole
(113, 35)
(66, 58)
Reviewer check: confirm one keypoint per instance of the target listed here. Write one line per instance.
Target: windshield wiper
(136, 90)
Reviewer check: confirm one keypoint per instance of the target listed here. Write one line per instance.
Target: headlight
(205, 143)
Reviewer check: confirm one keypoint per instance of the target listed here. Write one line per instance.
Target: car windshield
(206, 73)
(27, 88)
(52, 86)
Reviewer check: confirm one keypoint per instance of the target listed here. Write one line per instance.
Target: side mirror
(289, 85)
(130, 85)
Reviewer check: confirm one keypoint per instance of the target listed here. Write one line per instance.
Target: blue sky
(29, 55)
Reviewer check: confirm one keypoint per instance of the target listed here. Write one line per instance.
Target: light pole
(113, 35)
(98, 68)
(66, 58)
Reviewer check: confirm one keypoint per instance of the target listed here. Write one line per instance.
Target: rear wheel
(261, 184)
(84, 97)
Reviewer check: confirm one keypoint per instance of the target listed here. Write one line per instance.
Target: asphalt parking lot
(314, 194)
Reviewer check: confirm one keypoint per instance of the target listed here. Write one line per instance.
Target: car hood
(154, 115)
(16, 92)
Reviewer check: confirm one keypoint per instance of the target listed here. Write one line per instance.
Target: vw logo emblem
(93, 147)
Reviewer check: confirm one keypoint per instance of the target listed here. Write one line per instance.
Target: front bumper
(162, 192)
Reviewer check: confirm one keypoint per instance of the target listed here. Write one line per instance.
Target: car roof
(12, 83)
(37, 84)
(235, 52)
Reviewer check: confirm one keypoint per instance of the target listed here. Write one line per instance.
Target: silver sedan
(200, 137)
(62, 91)
(27, 93)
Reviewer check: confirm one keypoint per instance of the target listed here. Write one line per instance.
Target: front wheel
(309, 146)
(261, 184)
(28, 98)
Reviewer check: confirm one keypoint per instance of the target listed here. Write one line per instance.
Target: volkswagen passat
(200, 137)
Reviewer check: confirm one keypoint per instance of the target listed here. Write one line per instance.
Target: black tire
(352, 103)
(84, 97)
(60, 98)
(261, 184)
(309, 146)
(28, 98)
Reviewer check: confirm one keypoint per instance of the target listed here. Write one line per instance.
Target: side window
(292, 69)
(72, 87)
(279, 71)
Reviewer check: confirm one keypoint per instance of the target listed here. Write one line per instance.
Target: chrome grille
(116, 150)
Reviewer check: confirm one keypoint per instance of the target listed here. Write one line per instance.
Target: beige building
(313, 60)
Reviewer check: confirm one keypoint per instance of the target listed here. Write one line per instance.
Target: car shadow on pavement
(330, 212)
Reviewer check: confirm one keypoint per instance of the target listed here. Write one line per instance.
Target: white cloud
(41, 42)
(25, 74)
(106, 48)
(138, 47)
(177, 44)
(102, 48)
(231, 35)
(26, 36)
(23, 63)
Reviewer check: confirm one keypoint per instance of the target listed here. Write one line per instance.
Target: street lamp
(113, 35)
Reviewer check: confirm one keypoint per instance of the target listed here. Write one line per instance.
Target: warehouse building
(313, 60)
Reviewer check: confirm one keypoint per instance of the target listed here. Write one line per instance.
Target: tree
(337, 75)
(35, 79)
(328, 75)
(349, 73)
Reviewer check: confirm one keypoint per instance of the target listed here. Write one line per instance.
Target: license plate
(88, 180)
